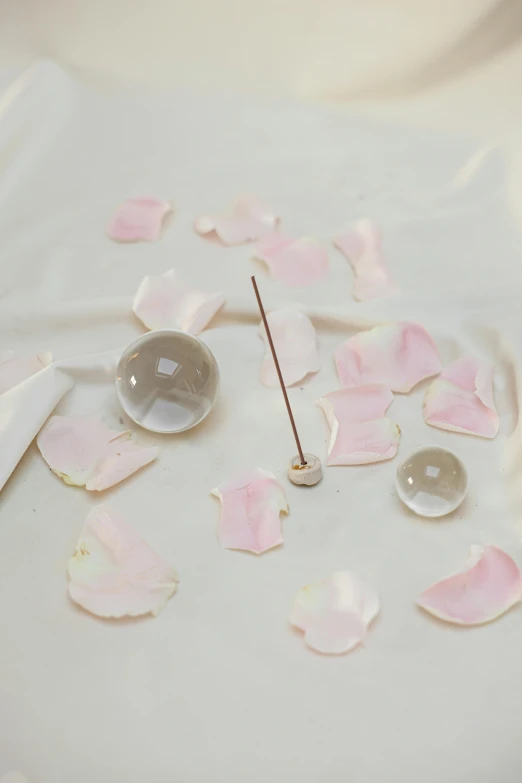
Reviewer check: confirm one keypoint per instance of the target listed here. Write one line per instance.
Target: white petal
(84, 452)
(335, 613)
(295, 341)
(361, 244)
(249, 220)
(114, 573)
(165, 302)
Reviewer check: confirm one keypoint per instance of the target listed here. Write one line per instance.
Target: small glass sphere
(167, 381)
(432, 482)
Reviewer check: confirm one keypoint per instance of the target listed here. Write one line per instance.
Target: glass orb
(167, 381)
(432, 482)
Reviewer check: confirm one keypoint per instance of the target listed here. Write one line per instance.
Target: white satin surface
(219, 688)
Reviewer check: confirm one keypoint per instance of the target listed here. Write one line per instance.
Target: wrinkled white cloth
(219, 687)
(440, 61)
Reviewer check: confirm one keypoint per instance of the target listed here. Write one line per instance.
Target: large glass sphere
(167, 381)
(432, 482)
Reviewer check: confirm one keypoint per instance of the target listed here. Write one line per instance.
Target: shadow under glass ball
(167, 381)
(432, 482)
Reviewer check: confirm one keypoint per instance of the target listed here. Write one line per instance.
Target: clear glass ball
(432, 482)
(167, 381)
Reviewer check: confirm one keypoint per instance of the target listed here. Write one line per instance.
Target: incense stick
(278, 370)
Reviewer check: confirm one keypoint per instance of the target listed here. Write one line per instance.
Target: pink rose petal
(295, 342)
(114, 573)
(86, 453)
(249, 220)
(15, 369)
(461, 399)
(138, 219)
(488, 586)
(295, 262)
(165, 302)
(360, 432)
(250, 508)
(361, 244)
(397, 355)
(335, 613)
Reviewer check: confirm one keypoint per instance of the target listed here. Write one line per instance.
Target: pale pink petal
(121, 459)
(114, 573)
(335, 613)
(15, 369)
(249, 220)
(398, 355)
(295, 342)
(489, 585)
(360, 432)
(86, 453)
(461, 399)
(251, 505)
(484, 384)
(295, 262)
(165, 302)
(361, 244)
(138, 219)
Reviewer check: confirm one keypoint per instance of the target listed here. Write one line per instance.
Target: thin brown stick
(278, 369)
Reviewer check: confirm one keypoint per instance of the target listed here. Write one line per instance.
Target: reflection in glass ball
(432, 482)
(167, 381)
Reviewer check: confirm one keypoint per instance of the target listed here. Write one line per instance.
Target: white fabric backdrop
(218, 688)
(464, 59)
